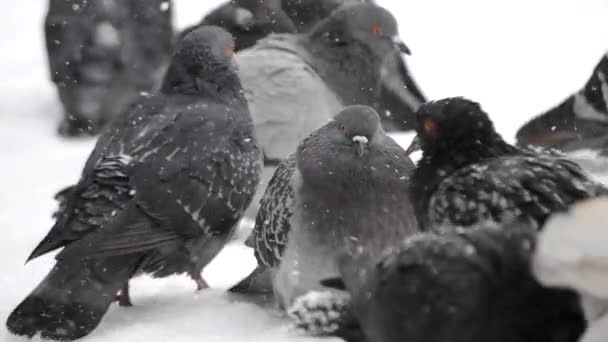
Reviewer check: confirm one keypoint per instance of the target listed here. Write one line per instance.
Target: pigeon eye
(430, 128)
(229, 50)
(343, 128)
(376, 30)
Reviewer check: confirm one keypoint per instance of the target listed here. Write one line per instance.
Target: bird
(295, 83)
(345, 189)
(580, 122)
(102, 54)
(468, 173)
(459, 284)
(160, 194)
(570, 254)
(305, 14)
(249, 20)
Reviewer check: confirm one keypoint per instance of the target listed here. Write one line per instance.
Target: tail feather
(258, 282)
(73, 298)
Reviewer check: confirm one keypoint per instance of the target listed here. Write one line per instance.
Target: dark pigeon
(102, 54)
(579, 122)
(249, 20)
(345, 190)
(468, 173)
(472, 284)
(160, 194)
(305, 14)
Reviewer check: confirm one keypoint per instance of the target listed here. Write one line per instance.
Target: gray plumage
(345, 190)
(160, 194)
(472, 284)
(579, 122)
(102, 54)
(296, 83)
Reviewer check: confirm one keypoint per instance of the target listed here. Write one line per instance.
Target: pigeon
(305, 14)
(102, 54)
(296, 83)
(160, 194)
(579, 122)
(459, 284)
(571, 254)
(468, 173)
(344, 190)
(249, 20)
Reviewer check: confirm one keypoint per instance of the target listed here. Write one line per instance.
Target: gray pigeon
(345, 190)
(472, 284)
(249, 20)
(296, 83)
(160, 194)
(579, 122)
(102, 54)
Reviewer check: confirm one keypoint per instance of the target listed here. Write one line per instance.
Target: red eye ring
(430, 128)
(376, 30)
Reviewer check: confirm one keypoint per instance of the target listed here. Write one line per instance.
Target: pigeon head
(202, 63)
(367, 23)
(583, 115)
(342, 146)
(452, 123)
(307, 13)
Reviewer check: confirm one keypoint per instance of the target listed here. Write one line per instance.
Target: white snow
(518, 58)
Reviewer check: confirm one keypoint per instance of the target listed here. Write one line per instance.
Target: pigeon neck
(347, 66)
(223, 86)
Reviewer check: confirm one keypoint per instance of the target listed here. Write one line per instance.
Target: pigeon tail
(73, 298)
(258, 282)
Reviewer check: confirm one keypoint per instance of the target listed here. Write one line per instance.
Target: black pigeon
(579, 122)
(468, 173)
(160, 194)
(249, 20)
(466, 285)
(345, 190)
(102, 54)
(305, 14)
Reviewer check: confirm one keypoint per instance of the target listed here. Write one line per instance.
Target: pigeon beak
(361, 142)
(399, 44)
(415, 146)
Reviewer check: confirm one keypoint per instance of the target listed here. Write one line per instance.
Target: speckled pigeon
(579, 122)
(102, 54)
(160, 194)
(468, 173)
(344, 190)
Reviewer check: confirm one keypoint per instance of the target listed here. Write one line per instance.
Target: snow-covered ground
(518, 58)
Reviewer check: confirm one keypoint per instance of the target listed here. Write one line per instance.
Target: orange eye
(430, 128)
(229, 50)
(376, 30)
